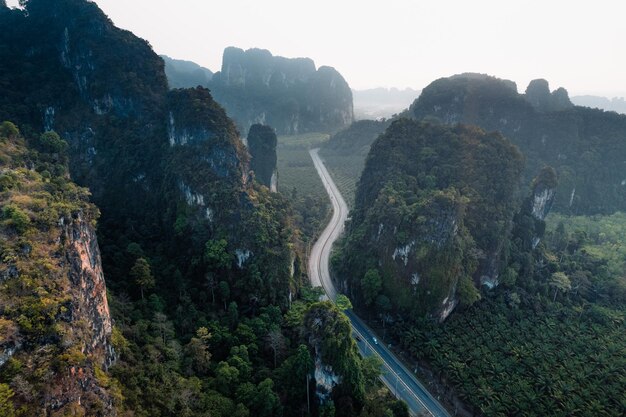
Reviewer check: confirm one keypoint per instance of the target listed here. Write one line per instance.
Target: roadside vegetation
(298, 181)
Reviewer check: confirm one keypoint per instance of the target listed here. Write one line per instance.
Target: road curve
(398, 379)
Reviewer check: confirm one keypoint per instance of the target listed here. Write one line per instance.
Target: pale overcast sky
(579, 45)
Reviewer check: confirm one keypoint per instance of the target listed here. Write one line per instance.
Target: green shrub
(8, 130)
(16, 217)
(6, 405)
(51, 142)
(7, 181)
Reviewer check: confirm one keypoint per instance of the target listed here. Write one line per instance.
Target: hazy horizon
(403, 44)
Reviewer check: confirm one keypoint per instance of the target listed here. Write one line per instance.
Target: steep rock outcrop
(288, 94)
(55, 326)
(90, 321)
(539, 96)
(209, 167)
(586, 147)
(529, 225)
(158, 162)
(89, 299)
(337, 368)
(430, 217)
(262, 143)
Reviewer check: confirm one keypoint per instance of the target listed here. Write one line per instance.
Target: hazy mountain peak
(616, 104)
(186, 74)
(539, 96)
(289, 94)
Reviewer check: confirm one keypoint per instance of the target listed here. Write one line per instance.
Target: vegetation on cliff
(585, 146)
(55, 326)
(203, 265)
(234, 363)
(430, 218)
(548, 340)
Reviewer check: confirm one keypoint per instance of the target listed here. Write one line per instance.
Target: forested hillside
(430, 220)
(55, 326)
(203, 265)
(156, 219)
(443, 227)
(585, 146)
(547, 341)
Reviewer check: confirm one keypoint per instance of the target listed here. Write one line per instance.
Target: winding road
(396, 377)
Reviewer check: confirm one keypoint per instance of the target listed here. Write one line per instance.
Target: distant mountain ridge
(289, 94)
(186, 74)
(587, 147)
(616, 104)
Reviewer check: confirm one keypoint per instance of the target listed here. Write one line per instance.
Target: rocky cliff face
(262, 146)
(430, 218)
(89, 300)
(585, 146)
(288, 94)
(337, 368)
(529, 222)
(55, 326)
(90, 321)
(166, 168)
(158, 162)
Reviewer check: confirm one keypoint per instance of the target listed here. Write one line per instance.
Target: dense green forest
(429, 220)
(548, 339)
(549, 344)
(203, 265)
(238, 364)
(195, 358)
(451, 249)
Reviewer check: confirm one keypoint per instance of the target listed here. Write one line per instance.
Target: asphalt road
(398, 379)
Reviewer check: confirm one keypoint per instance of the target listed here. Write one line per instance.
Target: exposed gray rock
(288, 94)
(89, 303)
